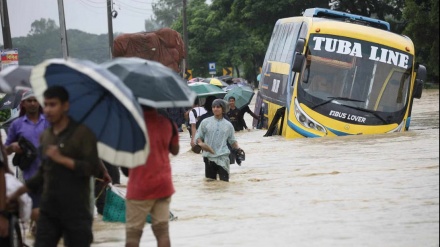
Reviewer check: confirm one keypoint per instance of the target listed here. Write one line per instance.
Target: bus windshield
(355, 73)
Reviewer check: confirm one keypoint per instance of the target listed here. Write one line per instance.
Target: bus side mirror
(420, 79)
(300, 43)
(298, 62)
(299, 58)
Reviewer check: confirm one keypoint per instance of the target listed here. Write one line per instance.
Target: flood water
(373, 190)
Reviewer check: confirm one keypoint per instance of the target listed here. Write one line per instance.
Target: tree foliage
(236, 33)
(423, 28)
(43, 42)
(166, 12)
(43, 26)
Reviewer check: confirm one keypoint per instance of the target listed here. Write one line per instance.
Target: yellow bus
(330, 73)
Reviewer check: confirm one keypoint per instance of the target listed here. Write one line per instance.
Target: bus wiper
(369, 111)
(336, 98)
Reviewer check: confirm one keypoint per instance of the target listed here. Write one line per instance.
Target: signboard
(212, 69)
(188, 74)
(9, 58)
(227, 71)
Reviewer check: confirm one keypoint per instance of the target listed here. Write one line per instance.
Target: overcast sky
(86, 15)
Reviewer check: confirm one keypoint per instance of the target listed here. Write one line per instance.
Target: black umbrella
(152, 83)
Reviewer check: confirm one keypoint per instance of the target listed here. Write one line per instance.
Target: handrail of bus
(333, 14)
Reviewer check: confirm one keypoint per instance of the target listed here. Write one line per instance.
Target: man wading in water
(216, 132)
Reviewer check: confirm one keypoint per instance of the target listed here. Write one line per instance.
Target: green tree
(373, 8)
(151, 25)
(44, 43)
(43, 26)
(166, 12)
(423, 28)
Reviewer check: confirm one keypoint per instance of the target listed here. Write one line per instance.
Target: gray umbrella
(14, 78)
(152, 83)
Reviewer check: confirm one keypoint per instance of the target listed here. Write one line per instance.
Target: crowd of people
(59, 176)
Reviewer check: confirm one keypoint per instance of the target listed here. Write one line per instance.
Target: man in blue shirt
(29, 125)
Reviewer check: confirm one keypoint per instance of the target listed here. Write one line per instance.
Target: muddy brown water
(372, 190)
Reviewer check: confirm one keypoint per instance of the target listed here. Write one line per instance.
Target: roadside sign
(9, 57)
(188, 74)
(227, 71)
(212, 69)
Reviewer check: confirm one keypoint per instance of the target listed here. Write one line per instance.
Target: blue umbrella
(102, 102)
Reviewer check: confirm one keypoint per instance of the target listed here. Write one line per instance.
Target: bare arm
(193, 132)
(174, 147)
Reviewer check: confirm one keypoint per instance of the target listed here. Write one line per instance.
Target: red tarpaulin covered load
(164, 46)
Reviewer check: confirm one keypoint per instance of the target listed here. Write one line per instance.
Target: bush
(5, 115)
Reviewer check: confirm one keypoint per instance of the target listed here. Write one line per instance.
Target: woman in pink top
(150, 186)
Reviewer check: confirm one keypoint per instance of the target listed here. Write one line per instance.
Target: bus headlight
(307, 121)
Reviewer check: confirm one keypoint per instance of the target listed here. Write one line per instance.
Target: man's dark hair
(196, 101)
(57, 92)
(232, 97)
(208, 103)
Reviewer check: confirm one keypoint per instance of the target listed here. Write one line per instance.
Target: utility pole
(63, 29)
(185, 35)
(6, 30)
(110, 26)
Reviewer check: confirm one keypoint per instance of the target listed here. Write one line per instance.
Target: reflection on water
(376, 190)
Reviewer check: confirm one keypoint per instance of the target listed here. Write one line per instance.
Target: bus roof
(337, 15)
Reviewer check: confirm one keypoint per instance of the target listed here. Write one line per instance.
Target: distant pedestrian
(177, 115)
(248, 110)
(208, 107)
(217, 132)
(70, 158)
(236, 116)
(194, 119)
(150, 186)
(30, 125)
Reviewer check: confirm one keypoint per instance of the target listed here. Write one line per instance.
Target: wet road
(376, 190)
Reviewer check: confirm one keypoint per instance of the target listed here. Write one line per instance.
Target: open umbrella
(14, 78)
(152, 83)
(196, 79)
(99, 100)
(216, 82)
(242, 95)
(11, 100)
(204, 89)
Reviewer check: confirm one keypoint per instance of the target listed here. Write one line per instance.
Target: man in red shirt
(150, 186)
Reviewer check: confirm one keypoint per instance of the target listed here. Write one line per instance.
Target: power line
(135, 10)
(90, 3)
(133, 7)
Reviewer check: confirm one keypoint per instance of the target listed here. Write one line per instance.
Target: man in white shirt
(194, 115)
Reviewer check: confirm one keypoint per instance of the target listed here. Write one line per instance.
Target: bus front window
(354, 80)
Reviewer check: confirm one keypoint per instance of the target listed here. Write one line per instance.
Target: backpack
(195, 115)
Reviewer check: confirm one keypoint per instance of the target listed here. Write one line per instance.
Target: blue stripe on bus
(338, 133)
(408, 123)
(301, 131)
